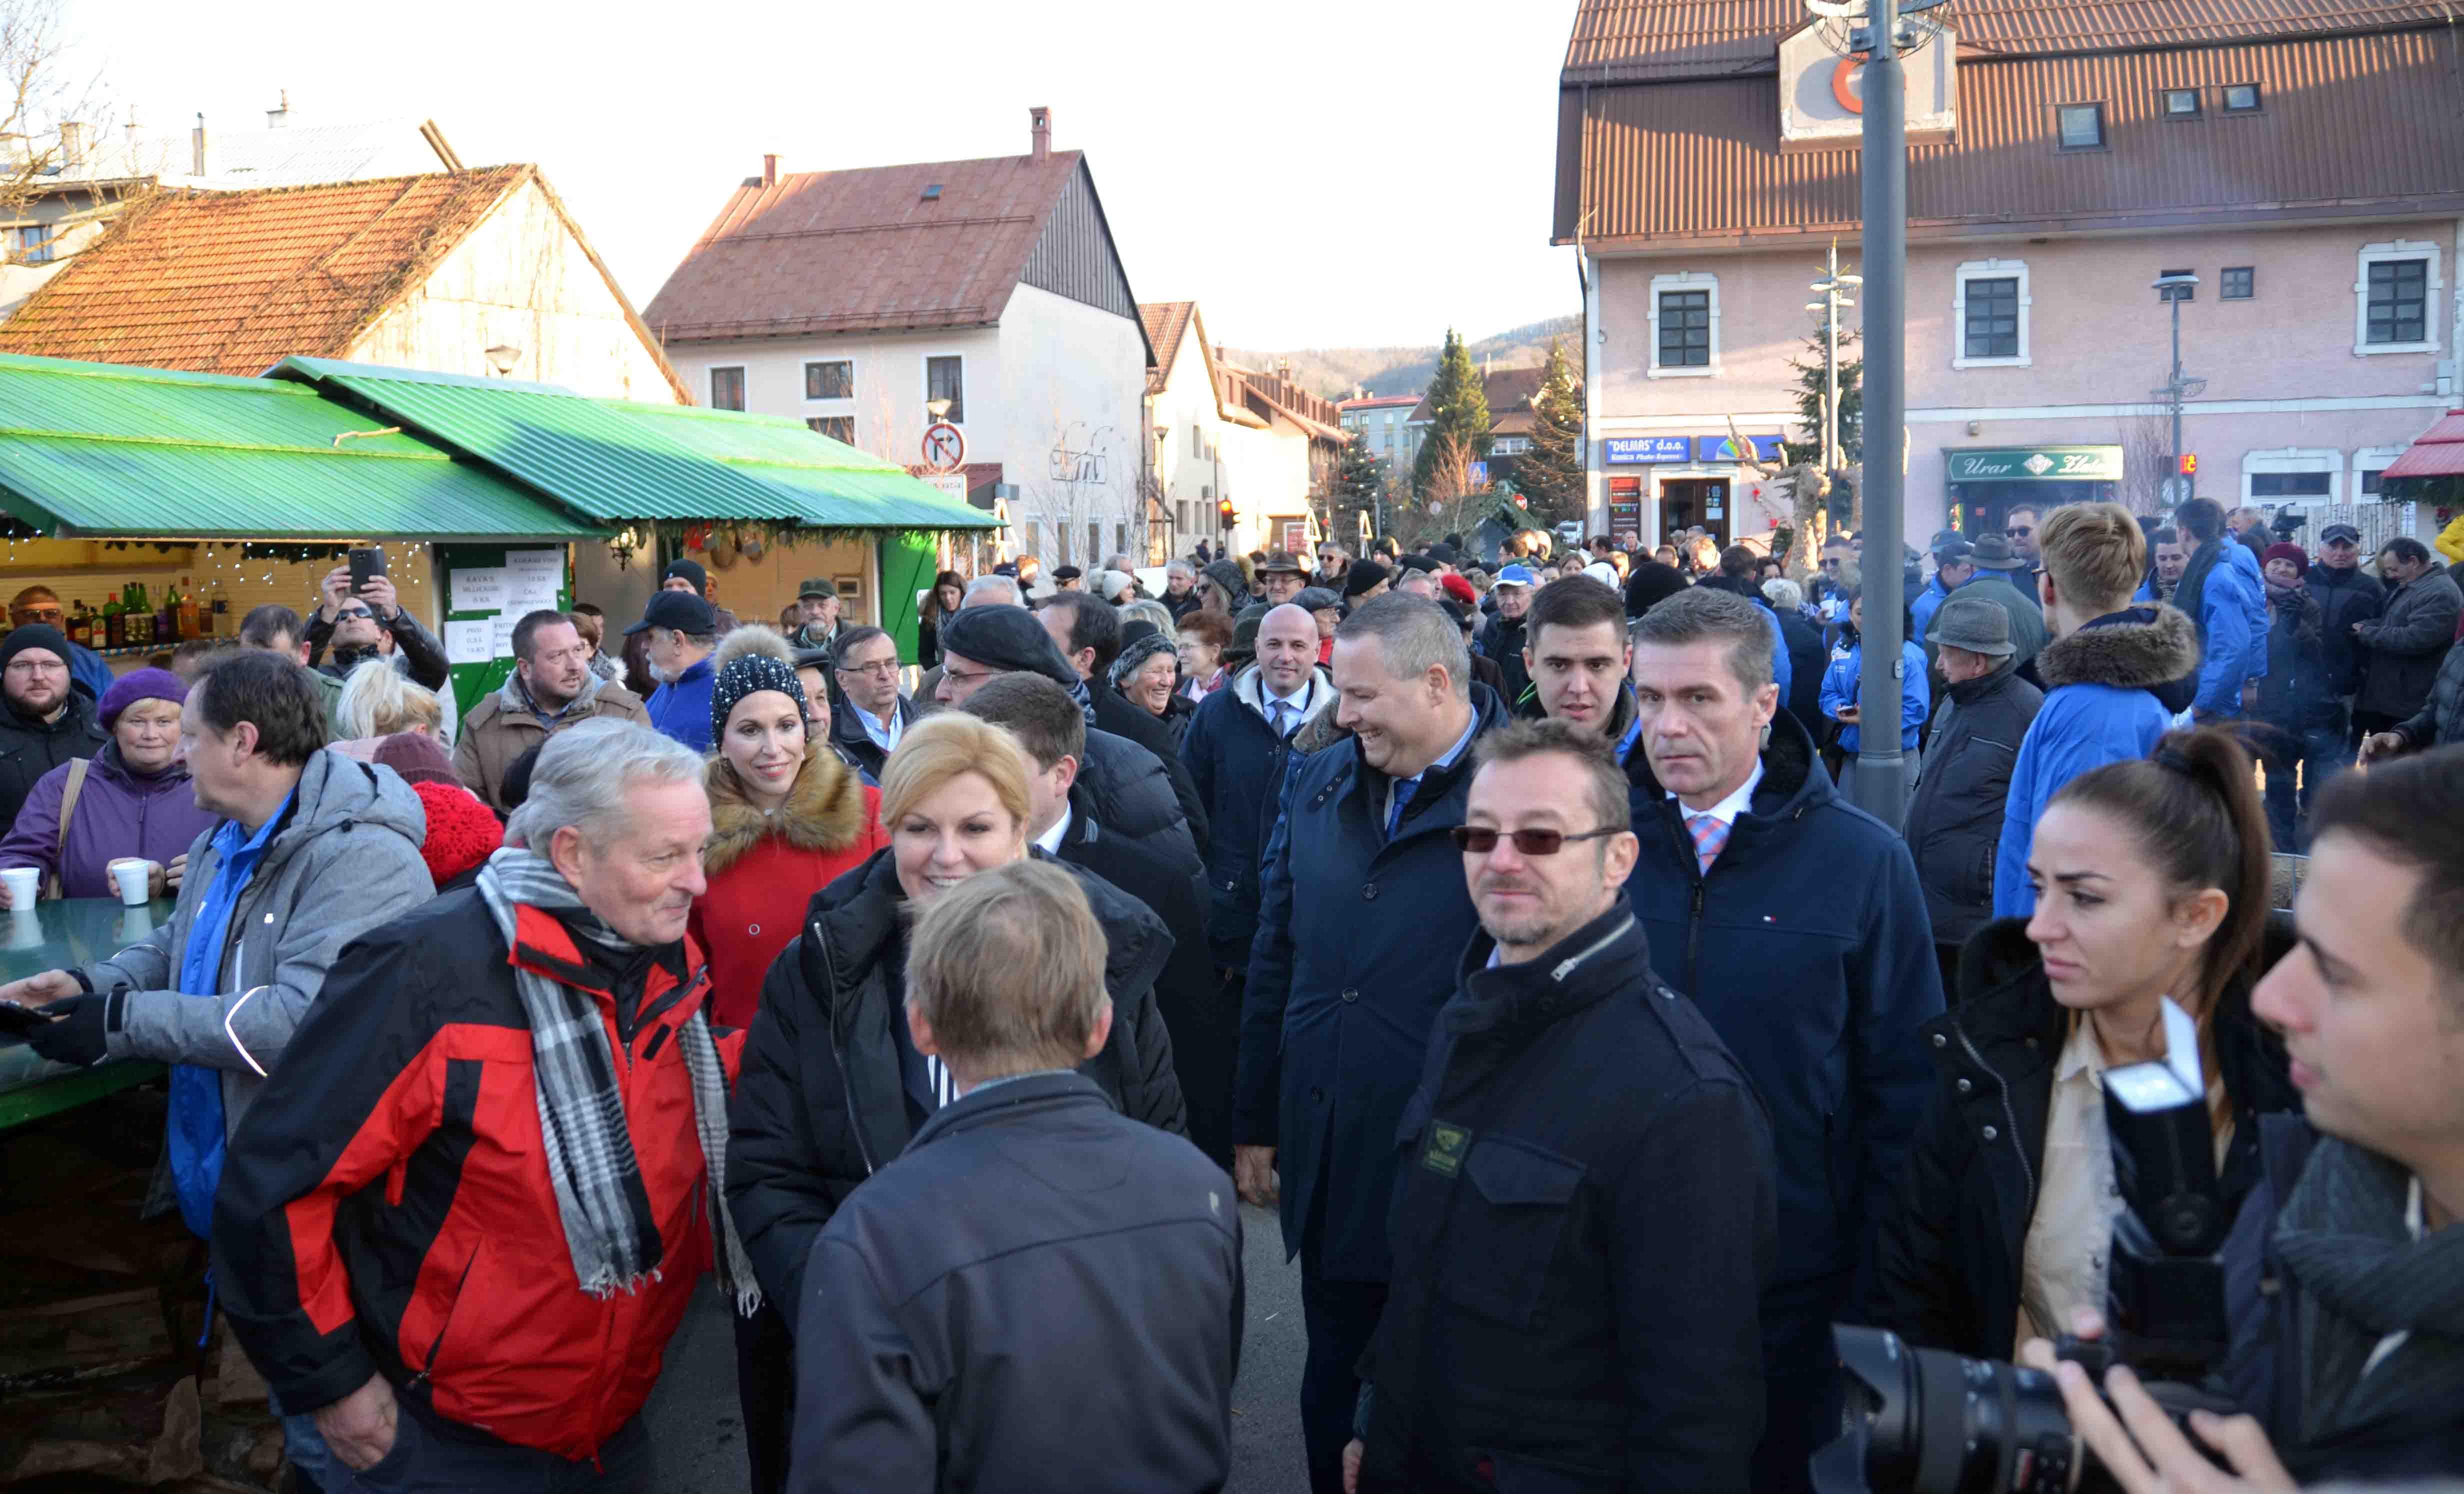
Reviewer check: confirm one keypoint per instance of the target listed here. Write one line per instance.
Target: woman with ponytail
(2151, 880)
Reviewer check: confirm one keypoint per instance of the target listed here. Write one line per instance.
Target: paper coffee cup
(135, 923)
(25, 885)
(25, 929)
(132, 875)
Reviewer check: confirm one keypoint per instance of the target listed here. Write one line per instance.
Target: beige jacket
(502, 727)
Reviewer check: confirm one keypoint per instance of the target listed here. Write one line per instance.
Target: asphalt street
(700, 1433)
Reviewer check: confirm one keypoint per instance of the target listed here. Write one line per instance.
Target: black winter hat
(1652, 581)
(34, 635)
(1360, 576)
(1007, 638)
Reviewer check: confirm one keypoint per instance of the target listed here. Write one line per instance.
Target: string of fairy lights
(217, 559)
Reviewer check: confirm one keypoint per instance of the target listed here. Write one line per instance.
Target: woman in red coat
(786, 815)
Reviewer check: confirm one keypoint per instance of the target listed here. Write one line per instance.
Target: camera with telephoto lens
(1933, 1422)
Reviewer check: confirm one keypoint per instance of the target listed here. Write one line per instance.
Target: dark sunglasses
(2019, 531)
(353, 612)
(1478, 840)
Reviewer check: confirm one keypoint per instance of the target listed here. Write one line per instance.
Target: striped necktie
(1711, 838)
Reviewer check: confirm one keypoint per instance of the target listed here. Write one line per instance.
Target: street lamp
(2174, 289)
(1830, 288)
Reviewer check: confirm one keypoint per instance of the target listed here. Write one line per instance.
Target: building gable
(1074, 255)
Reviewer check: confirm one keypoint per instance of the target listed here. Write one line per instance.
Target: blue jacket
(2111, 690)
(2233, 627)
(681, 707)
(1356, 946)
(1808, 947)
(1843, 680)
(1921, 611)
(88, 668)
(1237, 763)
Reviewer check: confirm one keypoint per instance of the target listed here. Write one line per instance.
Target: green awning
(585, 454)
(838, 485)
(103, 451)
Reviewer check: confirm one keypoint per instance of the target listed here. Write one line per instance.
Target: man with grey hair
(1360, 891)
(1181, 590)
(1095, 1241)
(511, 1097)
(1795, 921)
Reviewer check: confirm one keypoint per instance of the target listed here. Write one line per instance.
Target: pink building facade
(2307, 173)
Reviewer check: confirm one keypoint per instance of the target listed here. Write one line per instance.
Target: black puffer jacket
(1946, 1265)
(823, 1102)
(1954, 819)
(31, 747)
(2440, 720)
(2406, 642)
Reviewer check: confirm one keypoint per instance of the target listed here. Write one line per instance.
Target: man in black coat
(1204, 1018)
(1088, 633)
(1954, 825)
(1501, 638)
(1028, 1231)
(1132, 788)
(1794, 920)
(1361, 887)
(2347, 594)
(43, 721)
(1545, 1322)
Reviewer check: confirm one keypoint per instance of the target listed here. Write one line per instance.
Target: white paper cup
(25, 885)
(132, 876)
(25, 929)
(135, 923)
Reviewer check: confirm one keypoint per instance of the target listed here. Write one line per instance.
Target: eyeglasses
(1478, 840)
(1830, 564)
(879, 669)
(2019, 531)
(353, 612)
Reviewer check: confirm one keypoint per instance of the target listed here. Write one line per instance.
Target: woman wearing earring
(2152, 881)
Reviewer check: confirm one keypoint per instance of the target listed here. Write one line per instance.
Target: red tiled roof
(2438, 453)
(1165, 322)
(865, 250)
(1378, 402)
(1506, 389)
(235, 282)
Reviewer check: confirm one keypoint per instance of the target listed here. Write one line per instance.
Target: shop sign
(1625, 488)
(2035, 463)
(1645, 451)
(1724, 449)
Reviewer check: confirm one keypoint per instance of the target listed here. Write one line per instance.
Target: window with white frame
(1990, 314)
(1510, 446)
(833, 379)
(2396, 297)
(727, 388)
(945, 377)
(2368, 464)
(1684, 325)
(2291, 474)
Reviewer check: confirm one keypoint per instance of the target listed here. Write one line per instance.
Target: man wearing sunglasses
(1545, 1321)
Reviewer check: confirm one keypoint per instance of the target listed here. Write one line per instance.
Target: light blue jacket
(1843, 682)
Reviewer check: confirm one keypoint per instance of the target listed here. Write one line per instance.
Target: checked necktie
(1711, 838)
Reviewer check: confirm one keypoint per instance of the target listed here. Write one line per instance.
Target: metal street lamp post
(1881, 786)
(2174, 289)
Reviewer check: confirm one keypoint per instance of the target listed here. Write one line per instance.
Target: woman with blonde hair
(2152, 882)
(378, 700)
(833, 1086)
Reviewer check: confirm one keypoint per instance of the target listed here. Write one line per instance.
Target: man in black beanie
(43, 722)
(1363, 579)
(1651, 580)
(1134, 792)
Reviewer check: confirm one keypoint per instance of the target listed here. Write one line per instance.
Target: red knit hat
(2288, 551)
(462, 832)
(1455, 587)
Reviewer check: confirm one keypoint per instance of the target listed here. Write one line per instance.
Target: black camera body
(1933, 1422)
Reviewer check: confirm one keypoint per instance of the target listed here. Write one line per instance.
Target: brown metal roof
(1660, 40)
(1506, 389)
(2350, 125)
(1165, 321)
(865, 250)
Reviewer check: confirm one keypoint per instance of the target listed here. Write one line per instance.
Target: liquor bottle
(167, 617)
(222, 612)
(188, 618)
(81, 626)
(111, 636)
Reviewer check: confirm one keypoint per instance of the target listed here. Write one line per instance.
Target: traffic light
(1224, 518)
(2190, 464)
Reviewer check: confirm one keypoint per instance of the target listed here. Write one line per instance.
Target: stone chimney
(1039, 126)
(71, 142)
(197, 162)
(279, 116)
(770, 170)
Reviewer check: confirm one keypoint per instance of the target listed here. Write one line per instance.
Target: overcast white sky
(1326, 173)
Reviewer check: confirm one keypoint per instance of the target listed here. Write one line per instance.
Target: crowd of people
(1509, 928)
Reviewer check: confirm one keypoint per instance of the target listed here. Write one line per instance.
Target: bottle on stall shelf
(188, 616)
(222, 618)
(110, 621)
(167, 617)
(81, 626)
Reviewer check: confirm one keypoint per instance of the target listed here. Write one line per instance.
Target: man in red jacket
(465, 1214)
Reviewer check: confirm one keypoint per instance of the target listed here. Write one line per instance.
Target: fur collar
(824, 811)
(2156, 645)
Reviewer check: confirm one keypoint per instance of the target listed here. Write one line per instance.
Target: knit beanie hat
(461, 831)
(34, 635)
(752, 659)
(2287, 551)
(1360, 576)
(1007, 638)
(135, 686)
(419, 757)
(1459, 589)
(1652, 581)
(1136, 652)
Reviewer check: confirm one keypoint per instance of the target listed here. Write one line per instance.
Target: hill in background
(1333, 371)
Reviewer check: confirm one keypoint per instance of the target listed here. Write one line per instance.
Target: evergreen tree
(1358, 483)
(1551, 475)
(1852, 397)
(1459, 406)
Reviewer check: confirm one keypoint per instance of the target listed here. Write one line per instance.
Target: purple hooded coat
(118, 814)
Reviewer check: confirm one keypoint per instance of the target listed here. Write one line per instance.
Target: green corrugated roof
(101, 449)
(839, 486)
(582, 452)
